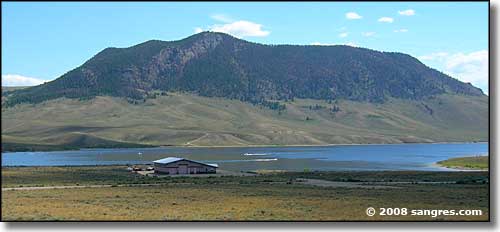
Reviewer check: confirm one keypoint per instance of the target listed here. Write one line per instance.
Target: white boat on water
(255, 154)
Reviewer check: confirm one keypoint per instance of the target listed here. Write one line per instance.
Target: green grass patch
(474, 163)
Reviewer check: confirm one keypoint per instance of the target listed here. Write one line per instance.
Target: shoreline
(252, 146)
(463, 168)
(450, 170)
(325, 145)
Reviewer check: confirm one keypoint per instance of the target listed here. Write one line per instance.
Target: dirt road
(79, 186)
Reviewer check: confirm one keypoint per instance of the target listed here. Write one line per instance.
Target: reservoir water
(298, 158)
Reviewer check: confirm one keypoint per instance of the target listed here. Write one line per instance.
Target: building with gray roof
(176, 165)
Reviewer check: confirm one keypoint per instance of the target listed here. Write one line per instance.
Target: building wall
(183, 167)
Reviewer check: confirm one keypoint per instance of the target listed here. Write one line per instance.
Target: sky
(42, 41)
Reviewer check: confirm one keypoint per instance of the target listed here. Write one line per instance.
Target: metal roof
(175, 159)
(168, 160)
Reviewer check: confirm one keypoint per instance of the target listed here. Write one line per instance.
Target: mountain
(212, 89)
(218, 65)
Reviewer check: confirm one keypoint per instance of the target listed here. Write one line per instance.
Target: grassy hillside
(467, 163)
(189, 120)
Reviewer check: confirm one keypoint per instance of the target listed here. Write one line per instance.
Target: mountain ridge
(218, 65)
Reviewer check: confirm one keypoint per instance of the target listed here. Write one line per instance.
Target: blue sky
(41, 41)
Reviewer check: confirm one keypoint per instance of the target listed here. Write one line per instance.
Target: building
(175, 165)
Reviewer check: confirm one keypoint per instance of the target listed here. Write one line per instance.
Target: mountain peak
(218, 64)
(212, 33)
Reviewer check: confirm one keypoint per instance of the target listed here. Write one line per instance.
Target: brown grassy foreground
(263, 197)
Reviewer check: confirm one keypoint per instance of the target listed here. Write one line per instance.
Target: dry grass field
(274, 196)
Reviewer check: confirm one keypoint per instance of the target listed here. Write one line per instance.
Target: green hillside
(191, 120)
(219, 65)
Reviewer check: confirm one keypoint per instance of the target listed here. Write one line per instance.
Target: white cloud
(468, 67)
(352, 44)
(18, 80)
(323, 44)
(237, 28)
(402, 30)
(434, 56)
(198, 30)
(222, 18)
(241, 29)
(343, 34)
(353, 15)
(368, 34)
(408, 12)
(386, 20)
(471, 67)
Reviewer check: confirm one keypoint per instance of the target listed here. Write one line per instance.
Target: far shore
(319, 145)
(241, 146)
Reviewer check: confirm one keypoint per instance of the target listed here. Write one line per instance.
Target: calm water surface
(348, 157)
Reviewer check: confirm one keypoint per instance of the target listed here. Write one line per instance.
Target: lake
(298, 158)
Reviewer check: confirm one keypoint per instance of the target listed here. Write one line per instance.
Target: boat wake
(255, 154)
(263, 160)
